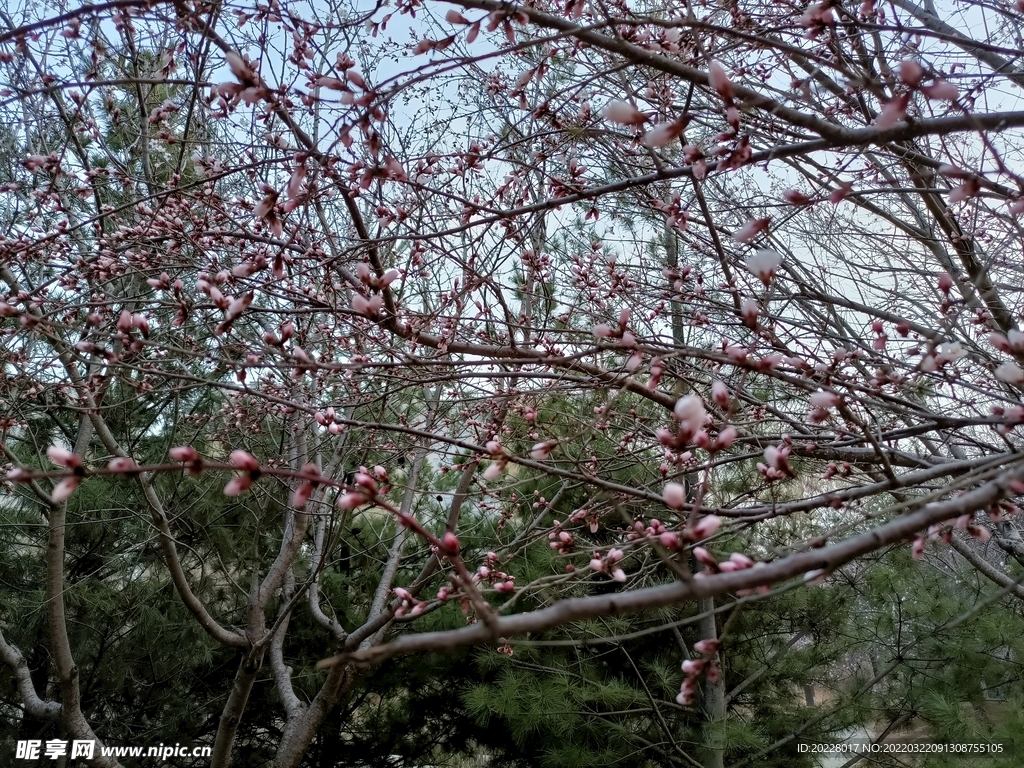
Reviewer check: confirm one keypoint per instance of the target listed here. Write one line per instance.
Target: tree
(375, 333)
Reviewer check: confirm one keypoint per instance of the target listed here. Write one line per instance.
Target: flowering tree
(381, 268)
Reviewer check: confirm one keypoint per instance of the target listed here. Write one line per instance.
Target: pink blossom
(824, 400)
(940, 90)
(351, 500)
(244, 460)
(674, 496)
(749, 310)
(122, 464)
(706, 527)
(63, 457)
(741, 560)
(689, 412)
(892, 112)
(706, 646)
(693, 666)
(238, 485)
(665, 133)
(451, 543)
(750, 230)
(1011, 373)
(965, 191)
(795, 197)
(603, 331)
(301, 495)
(670, 540)
(764, 263)
(911, 72)
(183, 453)
(720, 394)
(725, 438)
(239, 68)
(999, 341)
(705, 557)
(917, 549)
(719, 80)
(623, 113)
(541, 451)
(63, 490)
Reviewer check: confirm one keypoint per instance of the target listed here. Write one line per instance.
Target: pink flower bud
(541, 451)
(618, 575)
(674, 495)
(892, 112)
(824, 400)
(364, 480)
(351, 500)
(669, 540)
(63, 490)
(183, 453)
(749, 310)
(124, 322)
(911, 72)
(451, 543)
(725, 438)
(741, 560)
(624, 315)
(719, 80)
(623, 113)
(596, 564)
(244, 461)
(301, 495)
(706, 527)
(750, 230)
(795, 197)
(122, 464)
(917, 548)
(706, 646)
(720, 394)
(603, 331)
(238, 485)
(63, 457)
(940, 90)
(705, 557)
(693, 666)
(689, 412)
(945, 283)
